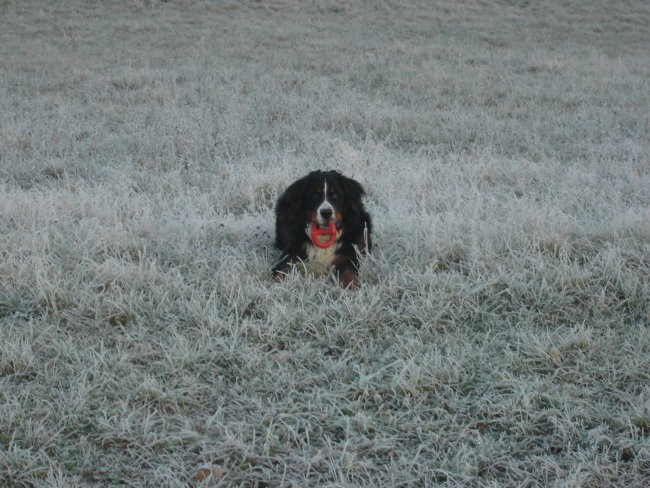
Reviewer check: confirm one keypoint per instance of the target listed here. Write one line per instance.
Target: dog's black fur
(302, 203)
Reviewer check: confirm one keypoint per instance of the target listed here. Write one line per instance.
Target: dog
(320, 222)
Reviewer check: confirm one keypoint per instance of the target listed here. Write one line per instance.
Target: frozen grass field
(501, 333)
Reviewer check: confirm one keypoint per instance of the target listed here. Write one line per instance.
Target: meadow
(500, 337)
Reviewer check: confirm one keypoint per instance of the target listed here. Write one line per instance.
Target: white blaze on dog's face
(323, 201)
(325, 210)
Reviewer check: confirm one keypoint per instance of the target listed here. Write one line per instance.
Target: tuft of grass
(500, 336)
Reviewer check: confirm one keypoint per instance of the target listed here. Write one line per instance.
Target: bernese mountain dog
(320, 223)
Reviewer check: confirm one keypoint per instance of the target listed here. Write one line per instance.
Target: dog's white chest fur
(318, 259)
(322, 256)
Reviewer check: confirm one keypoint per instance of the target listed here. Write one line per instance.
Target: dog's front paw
(349, 280)
(279, 275)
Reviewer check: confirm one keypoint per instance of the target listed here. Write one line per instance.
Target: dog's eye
(334, 196)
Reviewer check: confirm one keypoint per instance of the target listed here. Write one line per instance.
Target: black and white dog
(321, 222)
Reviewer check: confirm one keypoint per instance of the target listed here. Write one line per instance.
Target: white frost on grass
(500, 335)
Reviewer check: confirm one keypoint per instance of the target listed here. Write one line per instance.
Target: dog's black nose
(326, 213)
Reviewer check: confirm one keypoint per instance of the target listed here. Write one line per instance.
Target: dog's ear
(352, 188)
(292, 201)
(353, 205)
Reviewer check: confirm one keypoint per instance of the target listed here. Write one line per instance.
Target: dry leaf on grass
(209, 471)
(556, 360)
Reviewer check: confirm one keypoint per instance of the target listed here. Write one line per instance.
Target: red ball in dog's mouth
(323, 237)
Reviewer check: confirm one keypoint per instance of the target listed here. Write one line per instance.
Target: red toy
(317, 232)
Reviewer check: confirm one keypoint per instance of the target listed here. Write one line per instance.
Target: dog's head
(322, 197)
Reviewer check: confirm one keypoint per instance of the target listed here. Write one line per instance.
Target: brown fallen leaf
(280, 357)
(209, 471)
(555, 357)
